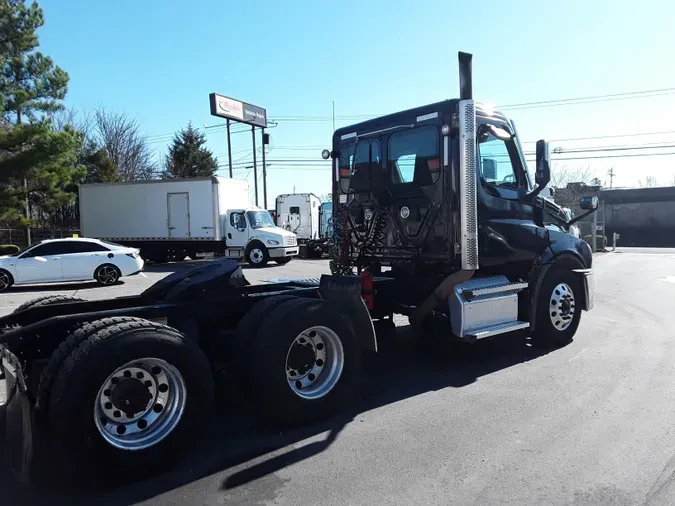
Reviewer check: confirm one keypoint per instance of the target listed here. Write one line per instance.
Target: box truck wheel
(558, 308)
(306, 361)
(131, 398)
(257, 254)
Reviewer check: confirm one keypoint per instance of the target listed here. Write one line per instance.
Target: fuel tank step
(502, 328)
(485, 306)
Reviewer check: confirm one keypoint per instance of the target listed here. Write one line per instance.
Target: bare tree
(648, 182)
(561, 175)
(125, 144)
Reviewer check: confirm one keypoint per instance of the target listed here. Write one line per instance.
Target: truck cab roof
(414, 115)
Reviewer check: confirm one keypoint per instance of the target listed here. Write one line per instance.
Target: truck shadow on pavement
(239, 450)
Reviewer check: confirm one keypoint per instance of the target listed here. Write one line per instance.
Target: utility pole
(611, 177)
(255, 168)
(229, 148)
(265, 141)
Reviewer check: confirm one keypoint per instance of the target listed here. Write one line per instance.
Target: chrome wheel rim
(4, 281)
(562, 306)
(140, 404)
(314, 362)
(256, 255)
(107, 275)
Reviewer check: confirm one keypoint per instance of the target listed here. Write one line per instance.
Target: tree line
(46, 150)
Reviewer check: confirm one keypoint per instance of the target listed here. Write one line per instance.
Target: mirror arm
(581, 216)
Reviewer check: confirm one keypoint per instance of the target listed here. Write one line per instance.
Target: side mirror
(543, 172)
(589, 203)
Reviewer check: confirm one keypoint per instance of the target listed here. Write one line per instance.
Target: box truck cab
(252, 234)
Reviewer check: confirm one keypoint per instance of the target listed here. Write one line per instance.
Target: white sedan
(74, 259)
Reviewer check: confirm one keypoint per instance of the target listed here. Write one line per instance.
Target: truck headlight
(272, 242)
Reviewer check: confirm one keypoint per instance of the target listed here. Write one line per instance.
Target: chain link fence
(19, 236)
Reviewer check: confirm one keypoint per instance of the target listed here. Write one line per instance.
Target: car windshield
(260, 219)
(114, 244)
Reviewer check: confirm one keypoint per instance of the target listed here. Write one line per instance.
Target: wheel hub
(301, 357)
(131, 396)
(562, 306)
(314, 362)
(140, 404)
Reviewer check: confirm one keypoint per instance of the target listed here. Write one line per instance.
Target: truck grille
(290, 241)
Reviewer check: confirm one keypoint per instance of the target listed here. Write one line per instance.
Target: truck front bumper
(588, 278)
(283, 252)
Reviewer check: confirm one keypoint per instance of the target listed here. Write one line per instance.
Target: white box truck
(175, 218)
(302, 214)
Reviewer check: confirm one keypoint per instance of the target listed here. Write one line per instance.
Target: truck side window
(495, 164)
(360, 166)
(414, 156)
(238, 220)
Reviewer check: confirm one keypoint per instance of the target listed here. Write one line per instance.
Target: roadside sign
(226, 107)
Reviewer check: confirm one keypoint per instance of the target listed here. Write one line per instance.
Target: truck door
(236, 229)
(178, 206)
(414, 174)
(506, 228)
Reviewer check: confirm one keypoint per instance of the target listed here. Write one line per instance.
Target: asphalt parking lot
(499, 423)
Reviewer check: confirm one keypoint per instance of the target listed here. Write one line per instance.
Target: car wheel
(107, 275)
(6, 280)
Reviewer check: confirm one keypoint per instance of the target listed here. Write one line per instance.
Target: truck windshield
(260, 219)
(360, 166)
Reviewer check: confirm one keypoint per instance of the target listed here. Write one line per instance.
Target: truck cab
(442, 196)
(251, 233)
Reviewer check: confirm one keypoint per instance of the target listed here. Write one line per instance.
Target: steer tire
(547, 334)
(253, 250)
(75, 393)
(272, 394)
(47, 300)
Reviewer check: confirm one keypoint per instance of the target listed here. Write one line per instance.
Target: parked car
(74, 259)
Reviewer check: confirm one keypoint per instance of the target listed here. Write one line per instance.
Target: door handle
(56, 258)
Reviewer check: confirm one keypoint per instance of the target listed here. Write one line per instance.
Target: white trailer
(300, 213)
(172, 219)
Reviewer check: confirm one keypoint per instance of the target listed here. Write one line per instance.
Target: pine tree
(36, 160)
(188, 157)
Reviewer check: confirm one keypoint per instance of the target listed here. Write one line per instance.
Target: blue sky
(159, 60)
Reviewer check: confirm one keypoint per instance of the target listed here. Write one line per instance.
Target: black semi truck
(435, 217)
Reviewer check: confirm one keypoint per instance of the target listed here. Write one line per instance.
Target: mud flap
(345, 292)
(27, 452)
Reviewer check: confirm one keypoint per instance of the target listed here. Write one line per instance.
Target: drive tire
(283, 260)
(555, 328)
(77, 386)
(107, 274)
(272, 393)
(77, 336)
(257, 255)
(245, 333)
(47, 300)
(6, 280)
